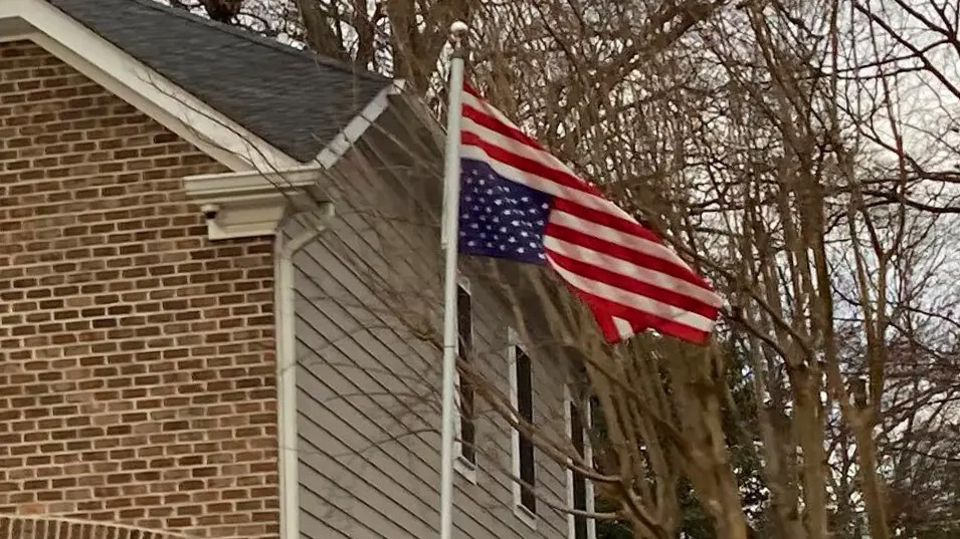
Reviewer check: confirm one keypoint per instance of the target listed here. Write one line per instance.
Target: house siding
(137, 372)
(369, 365)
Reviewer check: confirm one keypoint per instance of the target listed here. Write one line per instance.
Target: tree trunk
(873, 496)
(710, 470)
(320, 35)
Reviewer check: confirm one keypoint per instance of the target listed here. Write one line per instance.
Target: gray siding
(368, 379)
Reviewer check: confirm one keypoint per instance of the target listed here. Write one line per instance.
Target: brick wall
(136, 367)
(44, 527)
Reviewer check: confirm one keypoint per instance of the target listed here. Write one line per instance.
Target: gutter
(243, 204)
(286, 341)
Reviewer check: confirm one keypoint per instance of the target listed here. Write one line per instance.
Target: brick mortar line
(142, 338)
(178, 197)
(38, 300)
(196, 154)
(132, 361)
(62, 517)
(268, 454)
(216, 273)
(269, 362)
(123, 302)
(117, 230)
(28, 266)
(244, 317)
(88, 144)
(132, 410)
(178, 149)
(146, 323)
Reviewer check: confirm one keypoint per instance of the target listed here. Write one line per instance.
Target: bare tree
(802, 154)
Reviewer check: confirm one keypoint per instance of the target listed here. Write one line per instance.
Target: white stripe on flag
(629, 269)
(623, 239)
(488, 109)
(535, 181)
(623, 327)
(539, 183)
(513, 145)
(633, 300)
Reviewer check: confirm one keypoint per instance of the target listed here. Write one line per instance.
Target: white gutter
(253, 204)
(285, 286)
(285, 297)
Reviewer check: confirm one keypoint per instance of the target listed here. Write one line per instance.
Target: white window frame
(525, 515)
(588, 456)
(466, 469)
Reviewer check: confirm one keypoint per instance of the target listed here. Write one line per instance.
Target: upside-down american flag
(519, 202)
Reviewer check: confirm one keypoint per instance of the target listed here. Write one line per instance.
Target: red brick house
(147, 160)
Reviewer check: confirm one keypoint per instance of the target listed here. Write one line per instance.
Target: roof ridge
(261, 40)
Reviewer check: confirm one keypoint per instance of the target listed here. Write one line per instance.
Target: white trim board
(587, 456)
(522, 513)
(356, 128)
(171, 106)
(248, 206)
(251, 204)
(463, 466)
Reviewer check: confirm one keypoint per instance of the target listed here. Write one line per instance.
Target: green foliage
(611, 529)
(740, 424)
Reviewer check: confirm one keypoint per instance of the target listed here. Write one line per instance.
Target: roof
(296, 101)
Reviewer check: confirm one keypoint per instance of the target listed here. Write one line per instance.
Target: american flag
(519, 202)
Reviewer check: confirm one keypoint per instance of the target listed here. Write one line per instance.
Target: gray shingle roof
(294, 100)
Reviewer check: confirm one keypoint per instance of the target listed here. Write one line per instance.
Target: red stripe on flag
(493, 124)
(527, 165)
(638, 245)
(531, 166)
(638, 320)
(631, 226)
(578, 237)
(629, 284)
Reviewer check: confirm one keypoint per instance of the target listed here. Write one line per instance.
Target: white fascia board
(264, 182)
(253, 203)
(248, 204)
(356, 128)
(177, 110)
(214, 185)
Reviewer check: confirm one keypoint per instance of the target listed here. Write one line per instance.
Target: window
(579, 490)
(523, 454)
(466, 430)
(525, 408)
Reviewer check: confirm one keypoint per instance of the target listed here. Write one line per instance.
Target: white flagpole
(449, 240)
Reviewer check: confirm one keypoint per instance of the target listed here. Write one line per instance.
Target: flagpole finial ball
(458, 28)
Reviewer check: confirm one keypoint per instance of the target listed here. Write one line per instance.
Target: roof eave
(358, 126)
(263, 181)
(176, 109)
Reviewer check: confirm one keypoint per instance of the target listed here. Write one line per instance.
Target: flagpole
(449, 235)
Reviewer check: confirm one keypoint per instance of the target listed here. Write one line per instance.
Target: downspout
(284, 301)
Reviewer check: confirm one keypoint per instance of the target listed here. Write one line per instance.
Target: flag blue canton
(500, 218)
